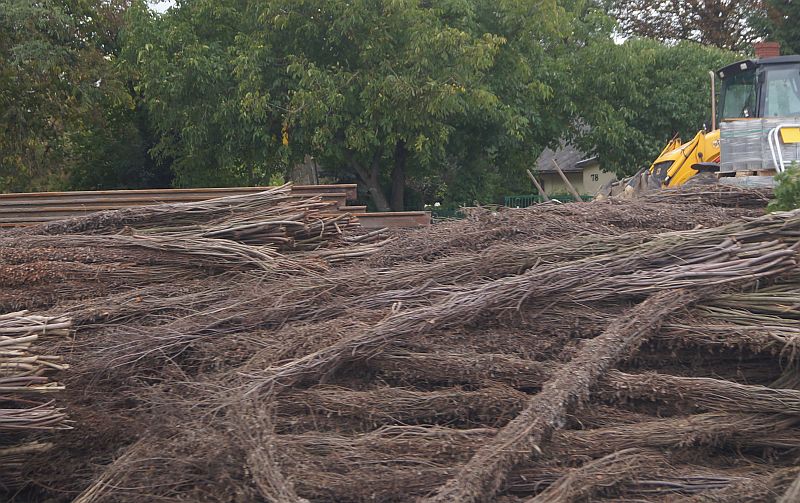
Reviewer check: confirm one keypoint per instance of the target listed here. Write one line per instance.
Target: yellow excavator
(759, 133)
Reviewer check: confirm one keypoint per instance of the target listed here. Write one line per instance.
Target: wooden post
(566, 182)
(538, 187)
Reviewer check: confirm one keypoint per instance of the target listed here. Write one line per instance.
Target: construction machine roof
(749, 64)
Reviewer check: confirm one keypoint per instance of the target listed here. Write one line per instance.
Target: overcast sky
(161, 5)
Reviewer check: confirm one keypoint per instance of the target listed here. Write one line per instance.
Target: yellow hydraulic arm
(673, 167)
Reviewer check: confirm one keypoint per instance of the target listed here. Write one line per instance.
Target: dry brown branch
(591, 279)
(24, 370)
(484, 227)
(182, 308)
(709, 429)
(792, 493)
(255, 432)
(599, 475)
(700, 393)
(103, 486)
(328, 465)
(13, 460)
(477, 369)
(746, 490)
(492, 405)
(483, 475)
(448, 368)
(388, 405)
(716, 195)
(24, 373)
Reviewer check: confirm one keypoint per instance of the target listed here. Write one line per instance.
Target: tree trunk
(378, 197)
(399, 176)
(371, 178)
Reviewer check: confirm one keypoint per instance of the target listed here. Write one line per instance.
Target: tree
(111, 149)
(779, 20)
(381, 89)
(376, 91)
(59, 80)
(44, 83)
(213, 124)
(629, 99)
(726, 24)
(414, 100)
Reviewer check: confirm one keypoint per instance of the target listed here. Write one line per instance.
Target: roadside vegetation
(416, 102)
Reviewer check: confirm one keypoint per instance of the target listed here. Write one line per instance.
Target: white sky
(161, 5)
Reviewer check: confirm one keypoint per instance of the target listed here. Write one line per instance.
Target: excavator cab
(760, 88)
(750, 89)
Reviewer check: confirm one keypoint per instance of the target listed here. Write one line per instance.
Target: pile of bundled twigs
(718, 195)
(105, 252)
(611, 350)
(26, 374)
(272, 219)
(269, 217)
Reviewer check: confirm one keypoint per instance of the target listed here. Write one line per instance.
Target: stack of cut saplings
(111, 251)
(25, 381)
(617, 351)
(188, 253)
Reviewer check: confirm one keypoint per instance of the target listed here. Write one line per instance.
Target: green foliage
(217, 127)
(373, 82)
(725, 24)
(446, 101)
(787, 190)
(389, 93)
(45, 84)
(111, 151)
(64, 102)
(779, 20)
(630, 99)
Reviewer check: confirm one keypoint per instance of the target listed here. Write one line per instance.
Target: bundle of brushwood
(269, 233)
(26, 373)
(271, 217)
(248, 216)
(617, 351)
(718, 195)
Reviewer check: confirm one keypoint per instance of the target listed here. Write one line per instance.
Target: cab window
(782, 92)
(739, 96)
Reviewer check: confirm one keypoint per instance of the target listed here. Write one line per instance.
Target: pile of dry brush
(633, 351)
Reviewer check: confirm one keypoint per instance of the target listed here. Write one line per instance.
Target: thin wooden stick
(567, 183)
(538, 186)
(610, 470)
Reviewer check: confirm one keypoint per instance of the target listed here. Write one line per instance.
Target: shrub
(787, 190)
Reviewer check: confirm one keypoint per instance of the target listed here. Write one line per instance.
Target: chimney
(767, 49)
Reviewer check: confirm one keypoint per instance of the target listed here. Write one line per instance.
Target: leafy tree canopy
(189, 70)
(416, 101)
(631, 98)
(377, 91)
(65, 108)
(779, 20)
(727, 24)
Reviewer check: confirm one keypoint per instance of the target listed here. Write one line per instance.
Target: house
(582, 170)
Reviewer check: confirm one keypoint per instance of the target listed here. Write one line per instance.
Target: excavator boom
(678, 163)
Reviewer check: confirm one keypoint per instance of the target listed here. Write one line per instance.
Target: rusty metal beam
(394, 219)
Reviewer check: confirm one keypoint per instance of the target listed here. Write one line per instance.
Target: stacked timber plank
(604, 351)
(19, 209)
